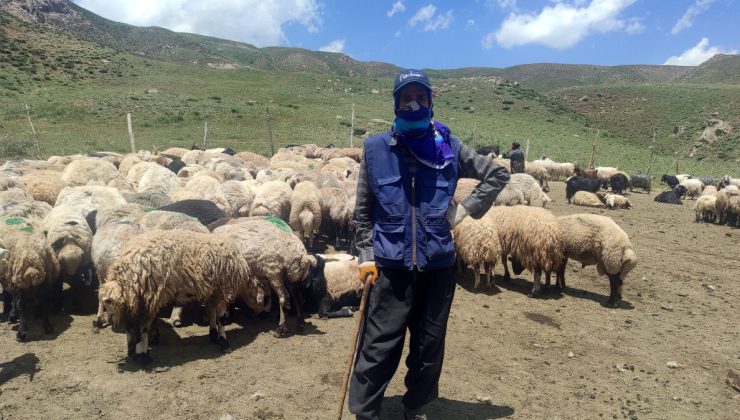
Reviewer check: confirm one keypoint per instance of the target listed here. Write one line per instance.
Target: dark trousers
(400, 299)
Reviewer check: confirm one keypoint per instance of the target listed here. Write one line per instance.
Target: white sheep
(606, 172)
(70, 237)
(305, 211)
(682, 177)
(337, 209)
(238, 197)
(705, 208)
(156, 268)
(274, 254)
(83, 171)
(592, 239)
(158, 179)
(28, 269)
(693, 187)
(88, 198)
(272, 199)
(532, 236)
(8, 181)
(616, 201)
(587, 199)
(29, 209)
(709, 190)
(477, 244)
(529, 187)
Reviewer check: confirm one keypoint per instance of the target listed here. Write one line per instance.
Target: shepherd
(403, 217)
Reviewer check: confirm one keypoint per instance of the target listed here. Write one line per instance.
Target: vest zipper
(413, 220)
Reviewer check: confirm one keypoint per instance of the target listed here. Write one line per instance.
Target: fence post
(205, 135)
(131, 133)
(652, 150)
(269, 133)
(593, 151)
(33, 131)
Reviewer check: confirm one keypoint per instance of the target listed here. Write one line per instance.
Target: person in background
(403, 216)
(516, 157)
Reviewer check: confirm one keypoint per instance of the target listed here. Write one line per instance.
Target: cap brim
(406, 83)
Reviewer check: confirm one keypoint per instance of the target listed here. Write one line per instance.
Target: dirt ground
(508, 356)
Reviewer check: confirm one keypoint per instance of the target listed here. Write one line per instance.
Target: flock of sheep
(215, 227)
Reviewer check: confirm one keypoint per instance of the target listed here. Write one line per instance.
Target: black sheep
(671, 196)
(176, 165)
(619, 183)
(579, 183)
(706, 180)
(316, 299)
(641, 181)
(204, 210)
(669, 180)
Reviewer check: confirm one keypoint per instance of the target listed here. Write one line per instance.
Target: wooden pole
(131, 133)
(676, 166)
(353, 346)
(33, 131)
(352, 128)
(205, 135)
(652, 150)
(269, 133)
(593, 151)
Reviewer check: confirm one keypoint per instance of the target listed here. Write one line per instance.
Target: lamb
(671, 196)
(577, 183)
(477, 244)
(615, 201)
(83, 171)
(28, 270)
(532, 236)
(693, 187)
(275, 255)
(592, 239)
(619, 182)
(272, 199)
(305, 211)
(587, 199)
(43, 185)
(640, 181)
(705, 208)
(157, 268)
(332, 288)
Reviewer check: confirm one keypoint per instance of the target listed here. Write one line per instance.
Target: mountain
(66, 17)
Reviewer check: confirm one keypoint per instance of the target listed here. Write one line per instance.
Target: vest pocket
(390, 190)
(439, 238)
(388, 240)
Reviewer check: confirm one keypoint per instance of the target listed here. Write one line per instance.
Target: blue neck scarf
(432, 148)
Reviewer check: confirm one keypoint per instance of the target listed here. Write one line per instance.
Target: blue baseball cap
(409, 76)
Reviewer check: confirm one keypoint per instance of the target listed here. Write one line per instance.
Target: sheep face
(111, 296)
(70, 257)
(680, 191)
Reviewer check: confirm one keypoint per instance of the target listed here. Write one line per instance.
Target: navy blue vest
(410, 226)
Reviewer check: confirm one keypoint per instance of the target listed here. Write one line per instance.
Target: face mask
(412, 119)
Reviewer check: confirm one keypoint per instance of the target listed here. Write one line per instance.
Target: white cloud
(398, 7)
(423, 15)
(470, 23)
(562, 25)
(634, 26)
(688, 17)
(432, 21)
(397, 34)
(697, 55)
(440, 22)
(335, 46)
(254, 21)
(503, 4)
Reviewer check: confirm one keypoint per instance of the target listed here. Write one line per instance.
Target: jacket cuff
(366, 254)
(473, 206)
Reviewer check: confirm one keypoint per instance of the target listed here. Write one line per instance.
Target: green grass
(78, 110)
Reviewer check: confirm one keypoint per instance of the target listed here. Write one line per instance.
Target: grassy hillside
(80, 93)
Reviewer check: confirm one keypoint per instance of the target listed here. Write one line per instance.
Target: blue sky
(451, 34)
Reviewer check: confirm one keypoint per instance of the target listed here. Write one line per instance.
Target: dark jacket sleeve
(493, 177)
(363, 216)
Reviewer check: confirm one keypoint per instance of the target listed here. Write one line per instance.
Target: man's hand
(455, 214)
(368, 269)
